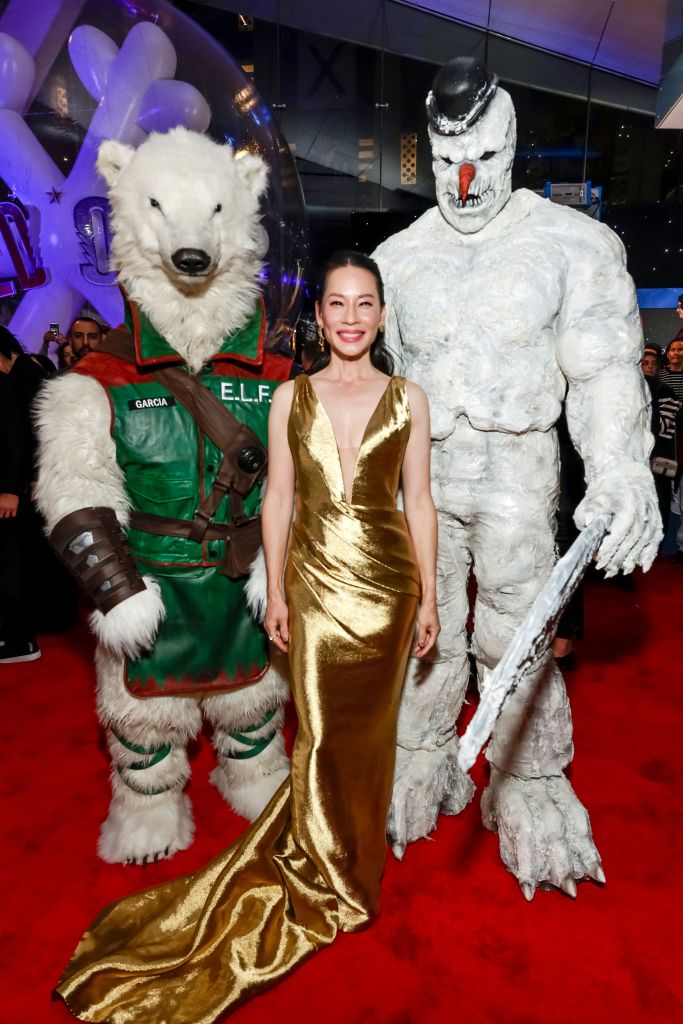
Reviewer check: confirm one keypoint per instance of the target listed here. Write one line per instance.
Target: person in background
(665, 410)
(679, 307)
(20, 379)
(84, 335)
(672, 375)
(307, 343)
(672, 371)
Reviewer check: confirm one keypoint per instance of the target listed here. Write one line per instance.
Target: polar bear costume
(187, 241)
(502, 304)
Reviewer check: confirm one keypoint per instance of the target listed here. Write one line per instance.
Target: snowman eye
(218, 208)
(155, 203)
(488, 154)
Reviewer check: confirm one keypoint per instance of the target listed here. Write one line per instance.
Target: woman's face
(674, 354)
(350, 312)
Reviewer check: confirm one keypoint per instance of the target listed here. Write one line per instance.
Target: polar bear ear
(112, 157)
(253, 171)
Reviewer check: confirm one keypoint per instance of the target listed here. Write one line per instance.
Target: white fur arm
(599, 345)
(77, 464)
(77, 468)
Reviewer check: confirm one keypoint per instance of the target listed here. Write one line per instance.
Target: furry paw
(132, 626)
(155, 828)
(426, 782)
(543, 830)
(255, 587)
(250, 799)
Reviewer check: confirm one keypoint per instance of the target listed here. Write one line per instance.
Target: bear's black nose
(191, 261)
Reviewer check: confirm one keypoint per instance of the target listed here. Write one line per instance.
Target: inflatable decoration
(73, 73)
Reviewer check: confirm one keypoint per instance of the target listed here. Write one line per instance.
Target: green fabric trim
(141, 791)
(153, 345)
(257, 746)
(136, 748)
(259, 725)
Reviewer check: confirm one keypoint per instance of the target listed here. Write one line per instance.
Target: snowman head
(472, 133)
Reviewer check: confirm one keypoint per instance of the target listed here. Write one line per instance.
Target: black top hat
(460, 93)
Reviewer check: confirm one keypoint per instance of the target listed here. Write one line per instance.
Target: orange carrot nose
(467, 173)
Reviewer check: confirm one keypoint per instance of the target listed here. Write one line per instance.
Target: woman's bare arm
(276, 514)
(421, 515)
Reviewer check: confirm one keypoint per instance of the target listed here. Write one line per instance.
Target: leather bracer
(94, 549)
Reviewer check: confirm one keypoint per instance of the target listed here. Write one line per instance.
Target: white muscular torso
(477, 315)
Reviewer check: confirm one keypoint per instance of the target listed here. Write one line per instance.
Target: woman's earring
(321, 339)
(381, 328)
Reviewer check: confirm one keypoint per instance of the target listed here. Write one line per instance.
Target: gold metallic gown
(185, 951)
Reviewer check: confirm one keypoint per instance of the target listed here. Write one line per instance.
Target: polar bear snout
(191, 261)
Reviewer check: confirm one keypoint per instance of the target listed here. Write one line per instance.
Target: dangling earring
(321, 339)
(381, 328)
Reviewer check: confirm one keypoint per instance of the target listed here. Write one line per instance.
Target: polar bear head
(187, 238)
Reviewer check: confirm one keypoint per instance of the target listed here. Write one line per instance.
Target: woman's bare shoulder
(417, 396)
(281, 402)
(282, 398)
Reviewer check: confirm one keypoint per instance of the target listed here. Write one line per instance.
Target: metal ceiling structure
(622, 36)
(608, 49)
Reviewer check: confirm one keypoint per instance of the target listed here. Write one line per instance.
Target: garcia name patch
(163, 402)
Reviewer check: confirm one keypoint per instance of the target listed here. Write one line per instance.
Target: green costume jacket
(209, 641)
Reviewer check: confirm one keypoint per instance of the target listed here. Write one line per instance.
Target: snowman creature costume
(176, 639)
(501, 303)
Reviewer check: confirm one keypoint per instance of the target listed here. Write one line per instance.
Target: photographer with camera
(84, 335)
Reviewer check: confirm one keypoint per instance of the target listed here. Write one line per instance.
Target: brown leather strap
(93, 547)
(242, 539)
(245, 459)
(165, 526)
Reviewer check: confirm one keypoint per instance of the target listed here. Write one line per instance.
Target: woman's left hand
(428, 628)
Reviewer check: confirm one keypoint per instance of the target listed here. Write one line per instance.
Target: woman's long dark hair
(380, 358)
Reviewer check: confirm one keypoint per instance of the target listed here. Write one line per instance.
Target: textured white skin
(494, 133)
(496, 312)
(77, 468)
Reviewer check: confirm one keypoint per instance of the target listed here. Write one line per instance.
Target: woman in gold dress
(340, 442)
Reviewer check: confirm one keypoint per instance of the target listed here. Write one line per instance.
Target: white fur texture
(256, 587)
(215, 210)
(188, 176)
(76, 455)
(139, 829)
(132, 626)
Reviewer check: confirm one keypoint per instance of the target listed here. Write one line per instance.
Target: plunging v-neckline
(348, 498)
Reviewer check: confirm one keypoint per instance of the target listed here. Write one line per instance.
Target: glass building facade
(354, 118)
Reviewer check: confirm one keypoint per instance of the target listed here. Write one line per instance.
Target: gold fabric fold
(185, 951)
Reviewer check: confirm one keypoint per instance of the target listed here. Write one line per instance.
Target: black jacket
(18, 388)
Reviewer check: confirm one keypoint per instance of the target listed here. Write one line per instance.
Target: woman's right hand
(276, 622)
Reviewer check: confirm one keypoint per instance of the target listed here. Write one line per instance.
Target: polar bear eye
(218, 208)
(155, 203)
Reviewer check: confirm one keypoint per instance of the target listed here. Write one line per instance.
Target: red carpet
(456, 940)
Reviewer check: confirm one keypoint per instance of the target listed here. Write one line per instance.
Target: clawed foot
(543, 830)
(146, 831)
(150, 859)
(426, 782)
